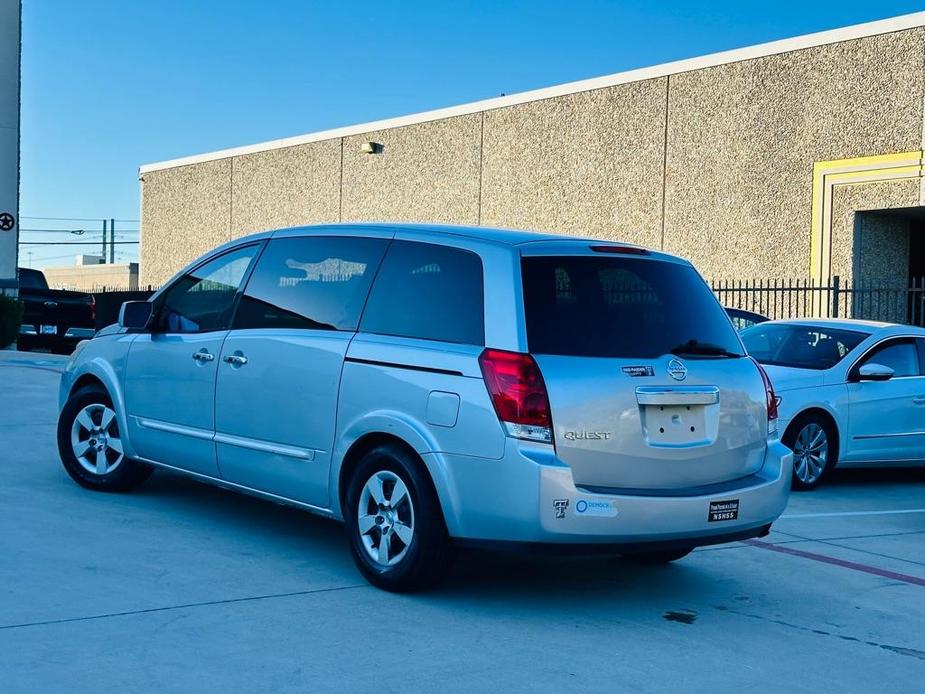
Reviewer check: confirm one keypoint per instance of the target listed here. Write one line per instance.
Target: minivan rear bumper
(529, 496)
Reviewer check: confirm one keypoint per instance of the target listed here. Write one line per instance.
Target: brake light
(771, 396)
(632, 250)
(518, 394)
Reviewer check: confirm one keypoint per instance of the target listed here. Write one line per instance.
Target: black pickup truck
(53, 319)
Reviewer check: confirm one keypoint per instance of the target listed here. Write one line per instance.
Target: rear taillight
(518, 393)
(93, 307)
(772, 399)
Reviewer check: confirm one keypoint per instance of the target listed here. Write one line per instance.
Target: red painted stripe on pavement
(905, 578)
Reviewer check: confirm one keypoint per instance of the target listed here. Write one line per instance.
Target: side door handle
(919, 400)
(236, 359)
(203, 355)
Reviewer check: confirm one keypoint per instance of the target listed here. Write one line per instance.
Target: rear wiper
(706, 349)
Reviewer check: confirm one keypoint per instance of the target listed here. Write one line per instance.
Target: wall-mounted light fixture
(370, 148)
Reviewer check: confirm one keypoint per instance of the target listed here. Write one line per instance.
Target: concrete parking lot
(180, 587)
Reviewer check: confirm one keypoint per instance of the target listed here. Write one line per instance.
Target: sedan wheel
(810, 454)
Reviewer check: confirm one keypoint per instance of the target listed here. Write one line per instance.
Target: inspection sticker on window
(723, 510)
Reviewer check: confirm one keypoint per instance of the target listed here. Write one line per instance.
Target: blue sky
(108, 86)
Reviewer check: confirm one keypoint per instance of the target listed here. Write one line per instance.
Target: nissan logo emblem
(677, 370)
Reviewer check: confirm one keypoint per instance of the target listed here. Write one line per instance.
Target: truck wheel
(90, 444)
(397, 533)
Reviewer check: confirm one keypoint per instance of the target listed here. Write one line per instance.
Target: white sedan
(851, 392)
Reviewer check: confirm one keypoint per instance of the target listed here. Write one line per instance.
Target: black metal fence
(108, 302)
(868, 299)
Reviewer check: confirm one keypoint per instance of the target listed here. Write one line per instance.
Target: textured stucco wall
(285, 187)
(734, 175)
(588, 163)
(743, 137)
(184, 212)
(424, 172)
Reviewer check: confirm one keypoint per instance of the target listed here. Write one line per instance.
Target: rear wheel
(662, 557)
(90, 444)
(815, 448)
(397, 533)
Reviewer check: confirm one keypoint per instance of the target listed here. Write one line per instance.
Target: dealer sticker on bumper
(723, 510)
(595, 507)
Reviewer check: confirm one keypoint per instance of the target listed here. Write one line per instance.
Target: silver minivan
(440, 386)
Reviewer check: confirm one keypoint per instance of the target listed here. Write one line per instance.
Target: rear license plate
(49, 330)
(723, 510)
(674, 425)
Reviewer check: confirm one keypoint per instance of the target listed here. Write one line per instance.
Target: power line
(77, 219)
(76, 232)
(72, 243)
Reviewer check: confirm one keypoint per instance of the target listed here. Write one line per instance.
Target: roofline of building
(821, 38)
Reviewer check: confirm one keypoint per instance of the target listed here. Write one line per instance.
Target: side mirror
(135, 315)
(875, 372)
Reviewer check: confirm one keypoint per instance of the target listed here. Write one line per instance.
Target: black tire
(125, 476)
(428, 556)
(661, 557)
(800, 423)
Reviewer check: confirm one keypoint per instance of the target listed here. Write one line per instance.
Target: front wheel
(397, 533)
(815, 449)
(90, 444)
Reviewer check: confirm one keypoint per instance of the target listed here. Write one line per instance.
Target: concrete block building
(801, 158)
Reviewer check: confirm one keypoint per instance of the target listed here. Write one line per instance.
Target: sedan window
(800, 346)
(899, 355)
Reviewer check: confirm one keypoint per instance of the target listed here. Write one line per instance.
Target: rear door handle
(203, 355)
(919, 400)
(236, 359)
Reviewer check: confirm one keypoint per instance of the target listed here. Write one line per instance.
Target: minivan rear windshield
(622, 307)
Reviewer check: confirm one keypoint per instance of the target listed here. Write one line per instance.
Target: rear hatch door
(648, 383)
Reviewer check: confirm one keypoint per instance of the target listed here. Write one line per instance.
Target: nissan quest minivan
(437, 386)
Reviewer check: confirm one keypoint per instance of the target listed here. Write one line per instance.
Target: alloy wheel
(95, 439)
(385, 518)
(810, 453)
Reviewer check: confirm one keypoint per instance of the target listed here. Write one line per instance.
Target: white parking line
(842, 514)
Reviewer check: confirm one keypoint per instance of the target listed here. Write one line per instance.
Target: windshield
(799, 346)
(622, 307)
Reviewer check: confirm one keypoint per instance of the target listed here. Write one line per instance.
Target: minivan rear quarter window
(427, 291)
(622, 307)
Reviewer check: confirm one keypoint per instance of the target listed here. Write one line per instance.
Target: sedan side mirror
(875, 372)
(135, 315)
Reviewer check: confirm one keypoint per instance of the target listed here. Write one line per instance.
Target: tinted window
(202, 300)
(899, 355)
(32, 279)
(427, 291)
(799, 346)
(621, 307)
(315, 283)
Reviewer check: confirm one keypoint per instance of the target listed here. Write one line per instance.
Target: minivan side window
(427, 291)
(202, 300)
(310, 282)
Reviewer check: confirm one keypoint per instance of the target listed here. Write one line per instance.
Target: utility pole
(112, 241)
(104, 241)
